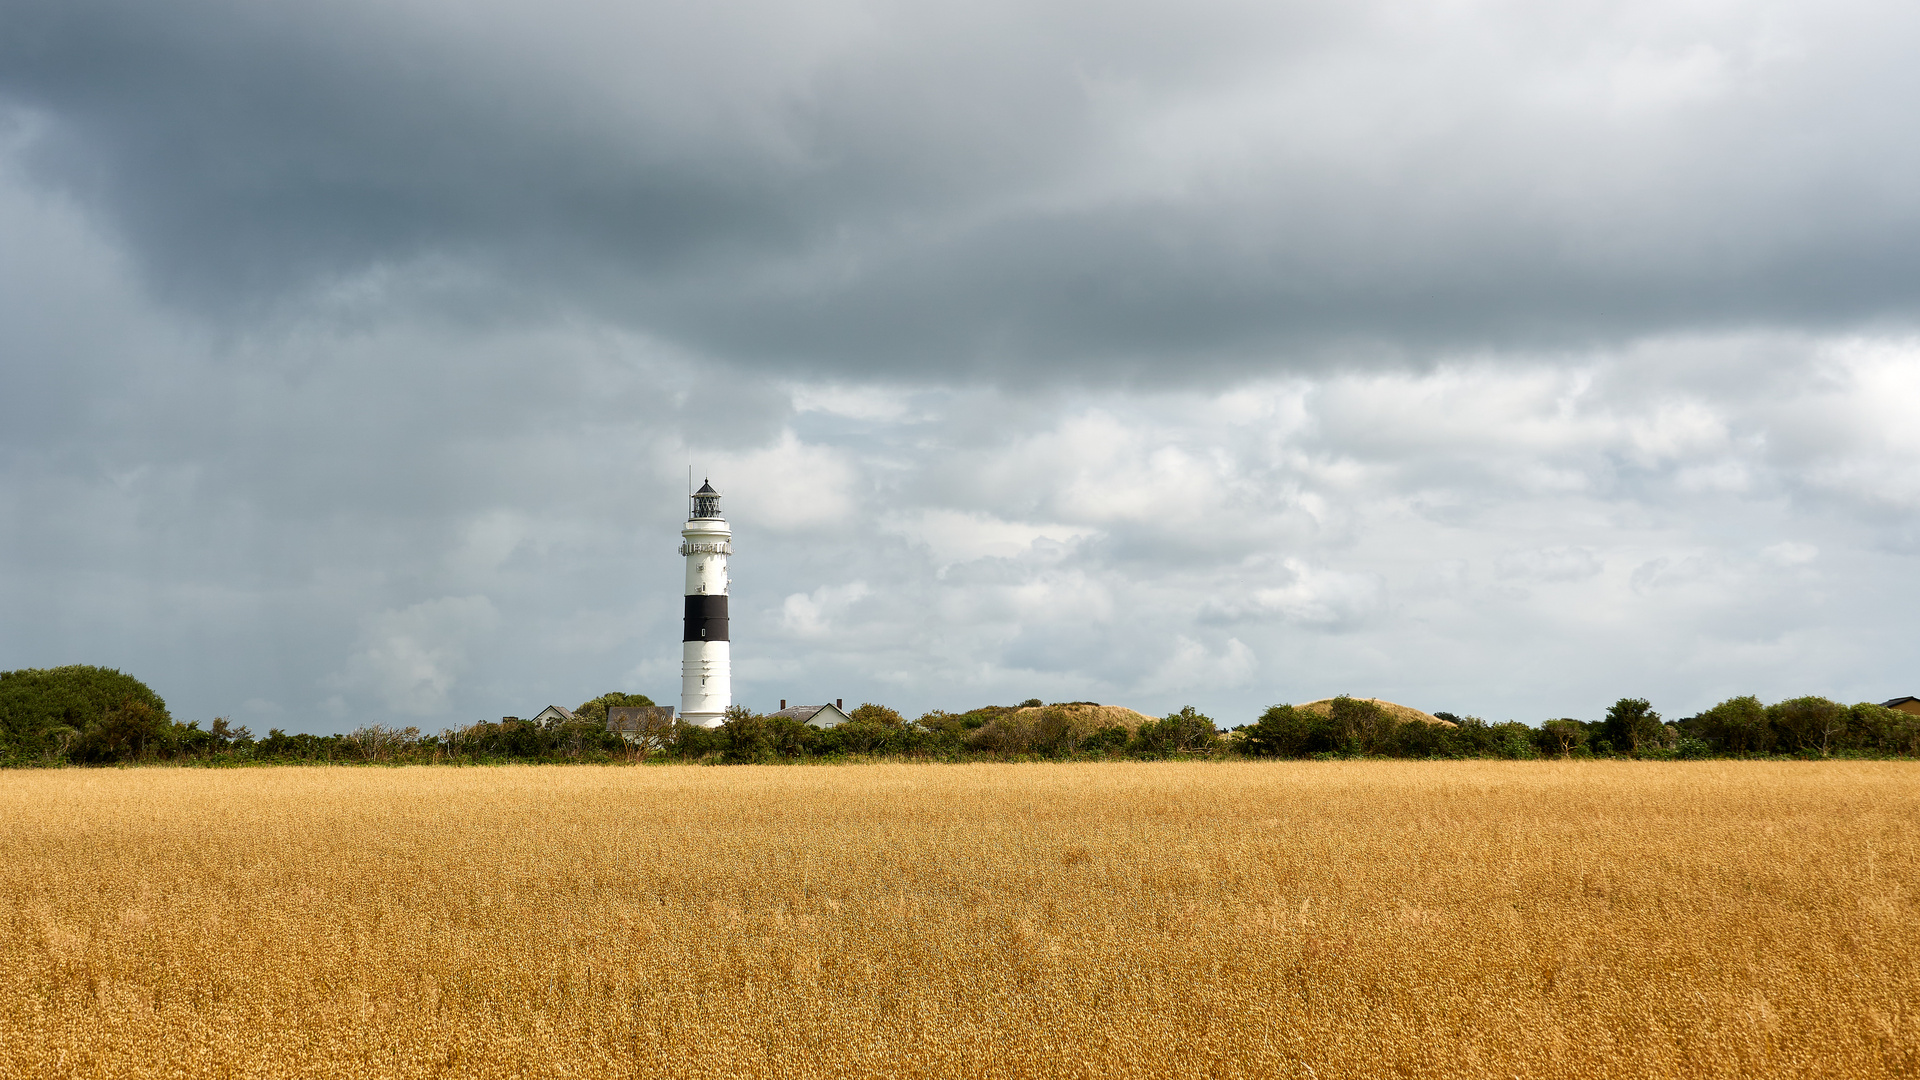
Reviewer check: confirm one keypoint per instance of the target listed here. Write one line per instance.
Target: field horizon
(1363, 918)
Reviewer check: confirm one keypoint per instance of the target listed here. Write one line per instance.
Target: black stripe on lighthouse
(706, 618)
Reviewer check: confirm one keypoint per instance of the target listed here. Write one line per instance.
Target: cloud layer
(1007, 191)
(1489, 357)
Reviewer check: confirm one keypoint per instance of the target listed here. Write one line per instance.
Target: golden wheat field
(1132, 919)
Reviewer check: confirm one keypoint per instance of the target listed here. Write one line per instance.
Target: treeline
(83, 715)
(1742, 727)
(96, 716)
(1806, 727)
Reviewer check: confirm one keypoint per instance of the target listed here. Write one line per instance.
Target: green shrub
(81, 712)
(863, 735)
(1421, 740)
(693, 742)
(1051, 731)
(1104, 742)
(1515, 742)
(1737, 726)
(746, 737)
(1185, 732)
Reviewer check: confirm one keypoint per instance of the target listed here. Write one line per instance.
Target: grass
(1300, 920)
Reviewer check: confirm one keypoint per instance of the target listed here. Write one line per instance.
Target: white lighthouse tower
(706, 663)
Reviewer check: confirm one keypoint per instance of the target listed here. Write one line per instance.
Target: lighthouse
(706, 664)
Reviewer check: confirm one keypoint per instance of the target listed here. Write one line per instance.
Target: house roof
(1897, 702)
(816, 715)
(555, 710)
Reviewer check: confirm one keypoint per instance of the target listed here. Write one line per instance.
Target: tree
(1103, 741)
(1416, 739)
(745, 737)
(1565, 735)
(377, 742)
(1054, 732)
(693, 742)
(594, 710)
(1281, 731)
(866, 734)
(225, 734)
(1185, 732)
(878, 715)
(1632, 724)
(1013, 731)
(1889, 731)
(1811, 724)
(1360, 726)
(1738, 725)
(653, 731)
(1516, 741)
(790, 738)
(48, 713)
(127, 732)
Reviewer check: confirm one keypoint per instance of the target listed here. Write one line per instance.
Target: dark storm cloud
(890, 189)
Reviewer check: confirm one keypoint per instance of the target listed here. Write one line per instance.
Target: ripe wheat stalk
(1132, 919)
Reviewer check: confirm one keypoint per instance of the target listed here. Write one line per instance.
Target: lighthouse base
(706, 682)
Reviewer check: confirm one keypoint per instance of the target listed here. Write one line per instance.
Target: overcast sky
(1499, 358)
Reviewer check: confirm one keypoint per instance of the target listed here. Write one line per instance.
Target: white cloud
(812, 615)
(955, 536)
(1788, 553)
(1649, 79)
(490, 540)
(786, 486)
(1547, 564)
(1853, 427)
(1314, 596)
(1192, 666)
(870, 403)
(1682, 571)
(411, 659)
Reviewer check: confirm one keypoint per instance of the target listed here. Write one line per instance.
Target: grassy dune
(1297, 920)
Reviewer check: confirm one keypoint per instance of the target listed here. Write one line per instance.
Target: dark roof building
(820, 716)
(1904, 704)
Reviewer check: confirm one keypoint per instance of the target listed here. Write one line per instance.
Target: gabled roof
(553, 712)
(821, 716)
(1897, 702)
